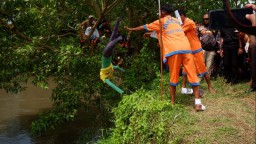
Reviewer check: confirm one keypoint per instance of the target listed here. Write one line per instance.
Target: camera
(219, 19)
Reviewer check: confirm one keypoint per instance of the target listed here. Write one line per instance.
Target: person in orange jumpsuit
(176, 51)
(189, 27)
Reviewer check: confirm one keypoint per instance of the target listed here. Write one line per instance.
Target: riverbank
(229, 117)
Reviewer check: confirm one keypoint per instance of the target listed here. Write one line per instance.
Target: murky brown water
(17, 111)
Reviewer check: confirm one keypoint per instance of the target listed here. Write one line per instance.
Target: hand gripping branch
(107, 68)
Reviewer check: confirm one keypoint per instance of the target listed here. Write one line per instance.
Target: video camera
(220, 19)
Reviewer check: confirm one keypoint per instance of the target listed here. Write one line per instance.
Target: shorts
(174, 62)
(201, 69)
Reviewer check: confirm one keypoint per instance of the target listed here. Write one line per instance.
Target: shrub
(143, 118)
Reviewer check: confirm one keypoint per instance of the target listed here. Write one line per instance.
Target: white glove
(246, 47)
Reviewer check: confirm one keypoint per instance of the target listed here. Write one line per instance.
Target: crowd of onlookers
(230, 57)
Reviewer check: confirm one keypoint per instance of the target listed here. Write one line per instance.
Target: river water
(17, 111)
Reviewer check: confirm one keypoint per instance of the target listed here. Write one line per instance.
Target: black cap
(182, 12)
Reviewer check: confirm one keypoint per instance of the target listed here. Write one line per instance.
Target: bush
(143, 118)
(143, 67)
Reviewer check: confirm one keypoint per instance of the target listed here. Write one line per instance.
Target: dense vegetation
(39, 39)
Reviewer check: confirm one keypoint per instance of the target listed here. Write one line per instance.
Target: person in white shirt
(95, 35)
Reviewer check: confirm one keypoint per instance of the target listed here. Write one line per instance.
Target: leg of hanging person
(108, 50)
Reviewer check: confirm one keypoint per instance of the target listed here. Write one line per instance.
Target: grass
(229, 117)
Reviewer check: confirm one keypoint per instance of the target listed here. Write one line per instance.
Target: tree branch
(106, 10)
(110, 7)
(14, 30)
(62, 35)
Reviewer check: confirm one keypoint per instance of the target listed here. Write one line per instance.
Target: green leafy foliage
(143, 67)
(52, 119)
(143, 118)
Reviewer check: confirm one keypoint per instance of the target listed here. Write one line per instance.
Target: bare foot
(250, 82)
(212, 91)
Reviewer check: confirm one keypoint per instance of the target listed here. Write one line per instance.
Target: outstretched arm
(139, 28)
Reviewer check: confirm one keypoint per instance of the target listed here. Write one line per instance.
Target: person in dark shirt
(231, 50)
(104, 29)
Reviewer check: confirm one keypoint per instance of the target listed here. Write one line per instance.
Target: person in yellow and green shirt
(176, 51)
(189, 28)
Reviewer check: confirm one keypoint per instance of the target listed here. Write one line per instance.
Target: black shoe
(227, 80)
(234, 82)
(252, 90)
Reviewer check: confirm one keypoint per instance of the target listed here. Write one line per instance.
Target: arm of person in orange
(187, 26)
(154, 26)
(139, 28)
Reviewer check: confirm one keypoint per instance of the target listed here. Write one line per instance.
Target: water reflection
(17, 111)
(13, 134)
